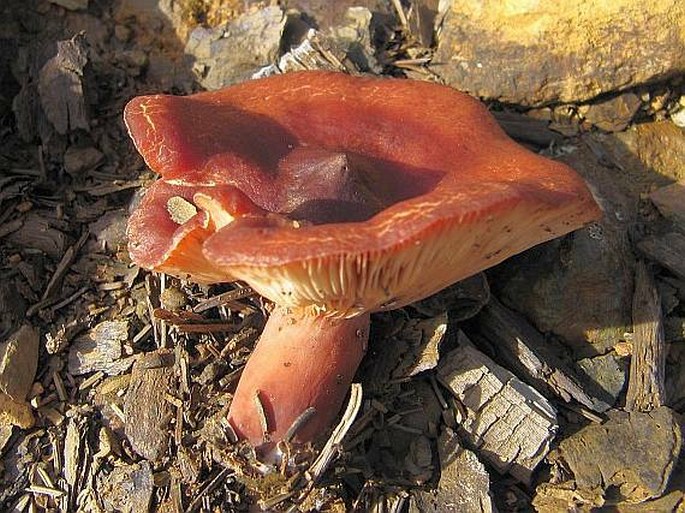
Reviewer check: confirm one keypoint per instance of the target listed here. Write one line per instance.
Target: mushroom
(334, 196)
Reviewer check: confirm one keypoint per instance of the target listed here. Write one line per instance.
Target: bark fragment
(646, 383)
(510, 423)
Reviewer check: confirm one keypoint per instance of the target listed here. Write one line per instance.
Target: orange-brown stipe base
(297, 377)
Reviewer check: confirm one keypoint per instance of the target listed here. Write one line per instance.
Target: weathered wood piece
(12, 306)
(128, 488)
(509, 423)
(464, 485)
(39, 232)
(315, 52)
(526, 352)
(147, 409)
(646, 382)
(100, 349)
(420, 350)
(18, 363)
(76, 457)
(60, 86)
(670, 201)
(631, 456)
(667, 250)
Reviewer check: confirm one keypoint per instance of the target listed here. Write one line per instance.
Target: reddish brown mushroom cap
(359, 193)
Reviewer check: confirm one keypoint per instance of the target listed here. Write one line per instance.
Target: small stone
(608, 372)
(354, 36)
(122, 32)
(127, 488)
(678, 117)
(670, 201)
(659, 146)
(615, 114)
(110, 230)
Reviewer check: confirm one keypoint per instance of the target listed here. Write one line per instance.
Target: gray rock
(609, 460)
(233, 52)
(608, 372)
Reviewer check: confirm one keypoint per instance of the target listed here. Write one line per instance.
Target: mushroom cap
(341, 194)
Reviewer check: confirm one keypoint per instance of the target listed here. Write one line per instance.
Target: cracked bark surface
(508, 422)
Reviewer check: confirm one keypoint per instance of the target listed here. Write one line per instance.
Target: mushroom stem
(297, 377)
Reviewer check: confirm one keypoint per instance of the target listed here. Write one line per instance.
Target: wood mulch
(115, 382)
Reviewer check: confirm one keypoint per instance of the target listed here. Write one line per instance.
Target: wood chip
(147, 413)
(63, 266)
(44, 490)
(100, 350)
(215, 481)
(510, 423)
(190, 322)
(60, 86)
(18, 362)
(77, 457)
(667, 250)
(525, 351)
(224, 298)
(39, 232)
(421, 349)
